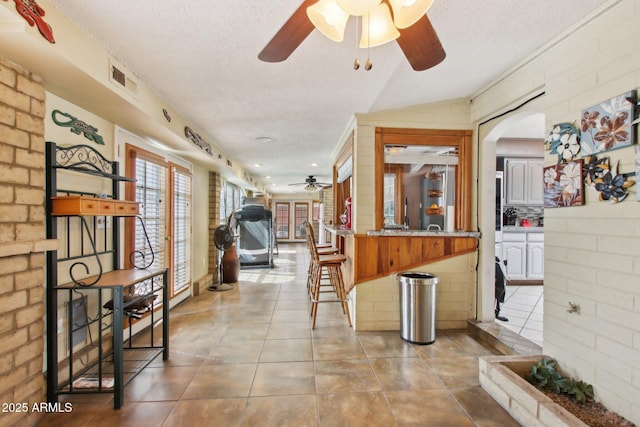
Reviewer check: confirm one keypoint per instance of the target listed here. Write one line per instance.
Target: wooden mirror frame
(454, 138)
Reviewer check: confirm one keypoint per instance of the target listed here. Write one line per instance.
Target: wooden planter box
(502, 378)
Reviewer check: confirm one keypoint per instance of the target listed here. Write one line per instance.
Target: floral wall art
(611, 185)
(564, 184)
(563, 140)
(607, 125)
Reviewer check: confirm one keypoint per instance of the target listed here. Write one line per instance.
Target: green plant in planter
(544, 375)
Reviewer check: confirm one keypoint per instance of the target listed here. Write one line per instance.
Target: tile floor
(523, 306)
(248, 357)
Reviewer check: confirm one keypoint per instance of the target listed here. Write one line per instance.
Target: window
(181, 228)
(168, 225)
(393, 195)
(230, 200)
(301, 215)
(282, 220)
(150, 192)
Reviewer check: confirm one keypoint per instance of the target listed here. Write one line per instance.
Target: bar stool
(322, 249)
(332, 264)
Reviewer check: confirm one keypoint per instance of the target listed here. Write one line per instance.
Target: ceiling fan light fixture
(407, 12)
(378, 27)
(329, 18)
(310, 188)
(358, 7)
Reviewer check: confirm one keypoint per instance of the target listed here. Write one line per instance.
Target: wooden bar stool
(325, 249)
(332, 264)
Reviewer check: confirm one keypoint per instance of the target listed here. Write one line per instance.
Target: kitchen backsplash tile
(516, 213)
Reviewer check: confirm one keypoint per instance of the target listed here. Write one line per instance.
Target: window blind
(181, 230)
(150, 194)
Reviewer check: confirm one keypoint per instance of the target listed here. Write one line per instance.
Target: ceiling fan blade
(421, 45)
(289, 37)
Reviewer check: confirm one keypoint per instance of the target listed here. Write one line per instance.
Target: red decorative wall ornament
(33, 14)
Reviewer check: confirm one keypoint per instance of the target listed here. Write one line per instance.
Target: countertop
(423, 233)
(513, 228)
(339, 230)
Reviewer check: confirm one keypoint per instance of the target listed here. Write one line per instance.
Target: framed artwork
(607, 125)
(564, 185)
(564, 141)
(637, 168)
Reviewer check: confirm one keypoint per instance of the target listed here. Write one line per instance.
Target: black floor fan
(223, 239)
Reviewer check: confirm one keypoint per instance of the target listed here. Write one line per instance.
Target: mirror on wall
(419, 186)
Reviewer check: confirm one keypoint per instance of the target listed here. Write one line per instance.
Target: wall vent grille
(123, 79)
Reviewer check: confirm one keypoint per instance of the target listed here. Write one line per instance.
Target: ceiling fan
(418, 41)
(311, 184)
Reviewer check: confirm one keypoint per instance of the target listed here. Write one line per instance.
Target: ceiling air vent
(123, 79)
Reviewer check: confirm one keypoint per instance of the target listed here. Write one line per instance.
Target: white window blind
(181, 230)
(150, 194)
(230, 200)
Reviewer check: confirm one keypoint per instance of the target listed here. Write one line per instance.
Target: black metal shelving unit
(113, 299)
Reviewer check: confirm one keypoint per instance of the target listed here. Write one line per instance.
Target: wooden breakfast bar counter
(379, 253)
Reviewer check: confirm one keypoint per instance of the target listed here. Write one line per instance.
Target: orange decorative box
(84, 205)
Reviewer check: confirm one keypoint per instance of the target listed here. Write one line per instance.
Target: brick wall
(592, 252)
(22, 239)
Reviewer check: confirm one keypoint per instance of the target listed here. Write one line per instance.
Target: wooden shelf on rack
(84, 205)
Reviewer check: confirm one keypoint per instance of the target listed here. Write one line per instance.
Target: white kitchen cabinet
(535, 261)
(535, 256)
(523, 253)
(515, 256)
(524, 181)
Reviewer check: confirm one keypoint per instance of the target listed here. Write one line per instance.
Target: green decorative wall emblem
(76, 126)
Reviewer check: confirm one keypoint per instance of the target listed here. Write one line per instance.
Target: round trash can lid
(418, 277)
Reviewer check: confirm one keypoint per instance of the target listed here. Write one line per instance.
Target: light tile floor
(248, 357)
(523, 306)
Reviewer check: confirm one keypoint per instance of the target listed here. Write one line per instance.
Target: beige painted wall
(591, 252)
(200, 225)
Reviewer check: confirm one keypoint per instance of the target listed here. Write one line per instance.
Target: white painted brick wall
(378, 306)
(592, 253)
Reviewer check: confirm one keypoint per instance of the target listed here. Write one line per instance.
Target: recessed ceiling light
(314, 164)
(264, 139)
(257, 165)
(267, 177)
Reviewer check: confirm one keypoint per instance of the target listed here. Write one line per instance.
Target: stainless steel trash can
(417, 306)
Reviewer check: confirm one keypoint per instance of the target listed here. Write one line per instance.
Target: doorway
(289, 219)
(513, 151)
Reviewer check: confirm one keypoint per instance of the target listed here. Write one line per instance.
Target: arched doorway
(515, 127)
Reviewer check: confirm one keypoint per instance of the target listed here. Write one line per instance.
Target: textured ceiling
(200, 56)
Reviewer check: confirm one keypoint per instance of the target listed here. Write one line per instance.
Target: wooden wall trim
(380, 256)
(459, 138)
